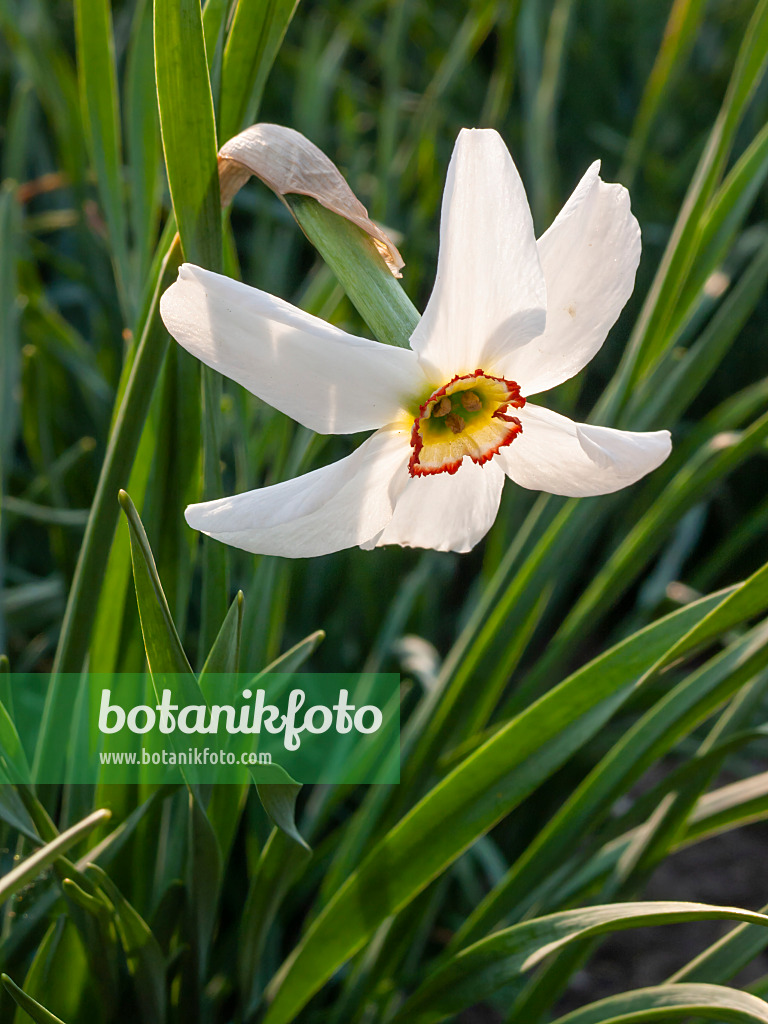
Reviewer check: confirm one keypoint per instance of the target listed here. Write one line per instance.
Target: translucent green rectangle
(134, 728)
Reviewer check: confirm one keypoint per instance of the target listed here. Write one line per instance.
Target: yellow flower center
(466, 416)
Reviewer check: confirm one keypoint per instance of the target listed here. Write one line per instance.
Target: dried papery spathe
(288, 162)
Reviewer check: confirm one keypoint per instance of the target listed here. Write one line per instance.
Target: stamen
(470, 401)
(442, 407)
(456, 423)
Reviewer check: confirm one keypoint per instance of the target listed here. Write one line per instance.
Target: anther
(470, 401)
(442, 407)
(456, 423)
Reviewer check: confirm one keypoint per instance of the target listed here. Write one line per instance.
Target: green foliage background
(527, 730)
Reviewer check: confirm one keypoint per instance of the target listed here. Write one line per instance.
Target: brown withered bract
(288, 162)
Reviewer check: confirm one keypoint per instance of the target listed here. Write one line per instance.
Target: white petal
(446, 512)
(589, 256)
(489, 292)
(326, 510)
(332, 382)
(576, 459)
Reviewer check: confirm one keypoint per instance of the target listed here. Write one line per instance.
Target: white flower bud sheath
(509, 317)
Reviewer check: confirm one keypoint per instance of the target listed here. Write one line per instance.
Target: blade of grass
(679, 35)
(10, 363)
(649, 337)
(142, 141)
(58, 973)
(257, 32)
(36, 1011)
(280, 862)
(83, 596)
(478, 971)
(477, 794)
(188, 129)
(145, 959)
(660, 728)
(673, 1002)
(99, 101)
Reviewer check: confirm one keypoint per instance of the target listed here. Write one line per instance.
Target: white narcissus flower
(509, 317)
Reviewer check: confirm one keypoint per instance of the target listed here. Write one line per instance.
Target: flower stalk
(353, 257)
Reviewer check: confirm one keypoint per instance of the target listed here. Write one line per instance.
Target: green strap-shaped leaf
(723, 959)
(479, 792)
(738, 803)
(15, 814)
(165, 654)
(227, 801)
(679, 383)
(295, 656)
(9, 355)
(724, 217)
(478, 971)
(105, 851)
(257, 31)
(649, 337)
(59, 973)
(679, 35)
(224, 655)
(188, 129)
(89, 911)
(146, 962)
(82, 602)
(707, 466)
(673, 1002)
(96, 906)
(279, 801)
(203, 879)
(142, 132)
(11, 748)
(99, 102)
(689, 702)
(281, 859)
(161, 641)
(38, 1013)
(715, 812)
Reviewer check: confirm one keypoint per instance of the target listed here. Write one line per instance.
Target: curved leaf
(673, 1002)
(479, 792)
(145, 959)
(38, 1013)
(481, 969)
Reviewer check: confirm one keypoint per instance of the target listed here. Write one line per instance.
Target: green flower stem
(121, 450)
(360, 269)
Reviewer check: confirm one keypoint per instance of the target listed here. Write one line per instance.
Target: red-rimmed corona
(465, 418)
(509, 317)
